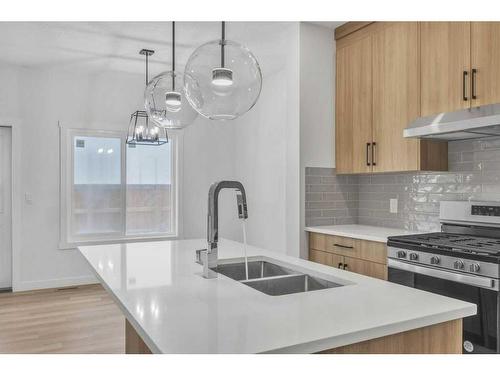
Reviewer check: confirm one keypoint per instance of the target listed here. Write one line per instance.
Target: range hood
(470, 123)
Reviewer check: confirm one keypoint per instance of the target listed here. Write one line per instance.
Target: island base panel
(133, 342)
(443, 338)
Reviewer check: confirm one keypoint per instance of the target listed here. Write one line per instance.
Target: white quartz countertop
(361, 232)
(160, 290)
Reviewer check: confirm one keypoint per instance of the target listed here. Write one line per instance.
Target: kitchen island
(170, 308)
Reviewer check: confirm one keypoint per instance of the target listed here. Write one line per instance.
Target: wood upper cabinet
(459, 65)
(353, 120)
(395, 96)
(444, 59)
(485, 59)
(377, 96)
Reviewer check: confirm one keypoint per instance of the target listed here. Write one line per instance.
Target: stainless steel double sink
(271, 278)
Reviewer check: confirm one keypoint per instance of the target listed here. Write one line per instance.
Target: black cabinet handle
(474, 71)
(373, 153)
(367, 154)
(340, 265)
(464, 85)
(345, 266)
(343, 246)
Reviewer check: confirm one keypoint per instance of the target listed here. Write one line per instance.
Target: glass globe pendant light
(141, 131)
(222, 79)
(164, 98)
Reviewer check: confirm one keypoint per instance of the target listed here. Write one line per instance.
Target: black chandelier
(141, 131)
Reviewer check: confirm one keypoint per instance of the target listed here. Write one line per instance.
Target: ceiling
(115, 45)
(330, 24)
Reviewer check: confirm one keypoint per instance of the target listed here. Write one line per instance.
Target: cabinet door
(320, 257)
(485, 58)
(326, 258)
(395, 96)
(444, 57)
(366, 268)
(353, 112)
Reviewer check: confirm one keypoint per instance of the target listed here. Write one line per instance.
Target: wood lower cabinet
(441, 338)
(366, 268)
(364, 257)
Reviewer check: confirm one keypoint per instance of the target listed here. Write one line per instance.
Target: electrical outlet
(28, 198)
(393, 205)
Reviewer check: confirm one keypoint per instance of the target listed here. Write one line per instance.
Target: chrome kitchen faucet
(208, 257)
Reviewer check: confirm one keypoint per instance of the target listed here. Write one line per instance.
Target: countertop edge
(374, 333)
(341, 233)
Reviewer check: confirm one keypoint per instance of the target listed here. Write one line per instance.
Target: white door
(5, 209)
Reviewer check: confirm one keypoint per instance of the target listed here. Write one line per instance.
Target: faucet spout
(209, 257)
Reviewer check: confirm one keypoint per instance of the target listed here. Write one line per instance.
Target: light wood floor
(78, 320)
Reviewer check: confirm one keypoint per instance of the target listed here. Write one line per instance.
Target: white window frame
(66, 181)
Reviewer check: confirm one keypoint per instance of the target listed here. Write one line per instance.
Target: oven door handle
(478, 281)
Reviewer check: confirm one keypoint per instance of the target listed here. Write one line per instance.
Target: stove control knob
(474, 267)
(458, 265)
(413, 256)
(401, 254)
(435, 260)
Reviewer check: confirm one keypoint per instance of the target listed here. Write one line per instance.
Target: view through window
(120, 191)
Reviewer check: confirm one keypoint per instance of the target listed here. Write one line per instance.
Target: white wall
(266, 155)
(317, 107)
(266, 149)
(208, 157)
(317, 96)
(36, 99)
(45, 97)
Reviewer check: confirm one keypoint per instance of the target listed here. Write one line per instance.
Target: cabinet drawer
(317, 241)
(341, 246)
(366, 268)
(367, 250)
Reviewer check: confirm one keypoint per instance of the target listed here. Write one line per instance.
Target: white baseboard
(54, 283)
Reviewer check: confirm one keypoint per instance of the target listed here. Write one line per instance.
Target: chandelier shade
(222, 79)
(142, 131)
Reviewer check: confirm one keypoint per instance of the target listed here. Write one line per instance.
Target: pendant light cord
(147, 71)
(173, 55)
(223, 42)
(147, 79)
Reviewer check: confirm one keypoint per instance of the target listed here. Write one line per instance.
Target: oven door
(481, 331)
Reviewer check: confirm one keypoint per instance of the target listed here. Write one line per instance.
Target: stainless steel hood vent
(471, 123)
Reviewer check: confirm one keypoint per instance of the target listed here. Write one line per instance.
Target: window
(113, 191)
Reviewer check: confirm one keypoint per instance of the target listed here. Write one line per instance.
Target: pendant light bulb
(173, 101)
(222, 77)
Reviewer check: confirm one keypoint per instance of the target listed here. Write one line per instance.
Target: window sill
(75, 244)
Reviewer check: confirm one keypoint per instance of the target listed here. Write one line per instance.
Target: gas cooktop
(453, 242)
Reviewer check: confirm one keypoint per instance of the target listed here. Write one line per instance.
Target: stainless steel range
(462, 261)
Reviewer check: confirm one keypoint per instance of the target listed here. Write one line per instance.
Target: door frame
(16, 202)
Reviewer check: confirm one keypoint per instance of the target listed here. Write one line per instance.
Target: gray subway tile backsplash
(474, 174)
